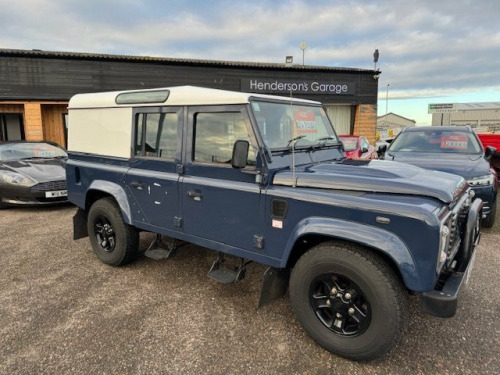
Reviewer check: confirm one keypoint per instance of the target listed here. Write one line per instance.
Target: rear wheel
(348, 300)
(114, 242)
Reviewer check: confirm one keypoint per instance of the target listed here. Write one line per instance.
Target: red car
(493, 140)
(357, 147)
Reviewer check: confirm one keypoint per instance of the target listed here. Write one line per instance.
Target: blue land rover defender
(264, 179)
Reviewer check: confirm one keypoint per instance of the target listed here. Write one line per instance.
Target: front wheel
(114, 242)
(489, 220)
(348, 300)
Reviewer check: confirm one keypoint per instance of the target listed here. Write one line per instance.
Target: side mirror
(240, 154)
(381, 151)
(489, 152)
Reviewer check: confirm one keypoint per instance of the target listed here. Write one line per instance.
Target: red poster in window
(456, 142)
(305, 122)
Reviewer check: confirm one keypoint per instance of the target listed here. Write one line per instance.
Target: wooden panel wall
(365, 122)
(53, 126)
(33, 122)
(11, 108)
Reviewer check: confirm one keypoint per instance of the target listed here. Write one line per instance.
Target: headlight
(485, 180)
(15, 179)
(444, 233)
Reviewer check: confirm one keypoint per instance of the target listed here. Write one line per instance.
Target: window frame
(136, 115)
(191, 137)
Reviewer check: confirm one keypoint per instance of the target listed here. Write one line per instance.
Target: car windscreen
(21, 151)
(436, 140)
(280, 123)
(350, 144)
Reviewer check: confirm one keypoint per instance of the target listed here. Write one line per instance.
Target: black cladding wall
(40, 76)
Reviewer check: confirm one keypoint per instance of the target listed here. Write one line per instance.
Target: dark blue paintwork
(391, 208)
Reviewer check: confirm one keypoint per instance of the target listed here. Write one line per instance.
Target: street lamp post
(386, 105)
(387, 100)
(303, 47)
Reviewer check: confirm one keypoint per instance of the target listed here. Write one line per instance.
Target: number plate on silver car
(55, 194)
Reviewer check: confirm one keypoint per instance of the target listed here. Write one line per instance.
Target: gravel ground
(62, 311)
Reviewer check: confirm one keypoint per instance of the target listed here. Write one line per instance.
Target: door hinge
(258, 242)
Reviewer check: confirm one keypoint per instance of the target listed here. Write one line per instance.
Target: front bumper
(52, 192)
(442, 301)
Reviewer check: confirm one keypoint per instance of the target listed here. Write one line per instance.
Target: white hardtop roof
(178, 96)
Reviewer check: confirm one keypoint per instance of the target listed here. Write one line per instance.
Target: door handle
(137, 185)
(196, 195)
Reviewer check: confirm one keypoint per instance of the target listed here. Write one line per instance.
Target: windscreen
(283, 124)
(436, 140)
(20, 151)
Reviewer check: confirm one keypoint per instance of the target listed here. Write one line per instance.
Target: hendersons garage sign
(311, 87)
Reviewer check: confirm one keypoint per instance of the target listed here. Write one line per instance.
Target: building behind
(482, 117)
(391, 124)
(35, 87)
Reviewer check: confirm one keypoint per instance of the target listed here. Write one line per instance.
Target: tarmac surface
(62, 311)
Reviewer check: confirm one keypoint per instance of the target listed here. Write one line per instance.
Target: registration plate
(56, 194)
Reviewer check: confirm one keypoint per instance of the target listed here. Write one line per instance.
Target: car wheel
(348, 300)
(114, 242)
(489, 220)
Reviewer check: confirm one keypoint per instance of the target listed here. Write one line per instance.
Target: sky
(431, 51)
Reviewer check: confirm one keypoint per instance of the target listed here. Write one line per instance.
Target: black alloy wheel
(340, 304)
(104, 233)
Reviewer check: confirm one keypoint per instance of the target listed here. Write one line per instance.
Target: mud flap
(274, 285)
(80, 225)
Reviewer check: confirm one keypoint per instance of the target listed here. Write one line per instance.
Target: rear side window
(156, 135)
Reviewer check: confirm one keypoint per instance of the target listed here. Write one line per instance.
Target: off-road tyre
(113, 241)
(489, 220)
(370, 287)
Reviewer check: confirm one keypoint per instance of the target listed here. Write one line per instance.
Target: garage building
(35, 87)
(482, 117)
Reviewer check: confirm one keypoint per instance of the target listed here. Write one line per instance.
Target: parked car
(260, 178)
(452, 149)
(32, 173)
(357, 147)
(493, 140)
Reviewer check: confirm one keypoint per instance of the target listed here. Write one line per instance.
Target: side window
(156, 135)
(364, 143)
(215, 135)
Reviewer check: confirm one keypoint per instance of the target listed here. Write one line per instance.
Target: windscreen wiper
(320, 143)
(295, 139)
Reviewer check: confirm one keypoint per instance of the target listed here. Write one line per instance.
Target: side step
(159, 249)
(224, 272)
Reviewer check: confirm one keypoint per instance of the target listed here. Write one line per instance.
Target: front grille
(456, 225)
(50, 186)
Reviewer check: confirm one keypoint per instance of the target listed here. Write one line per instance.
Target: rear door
(153, 177)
